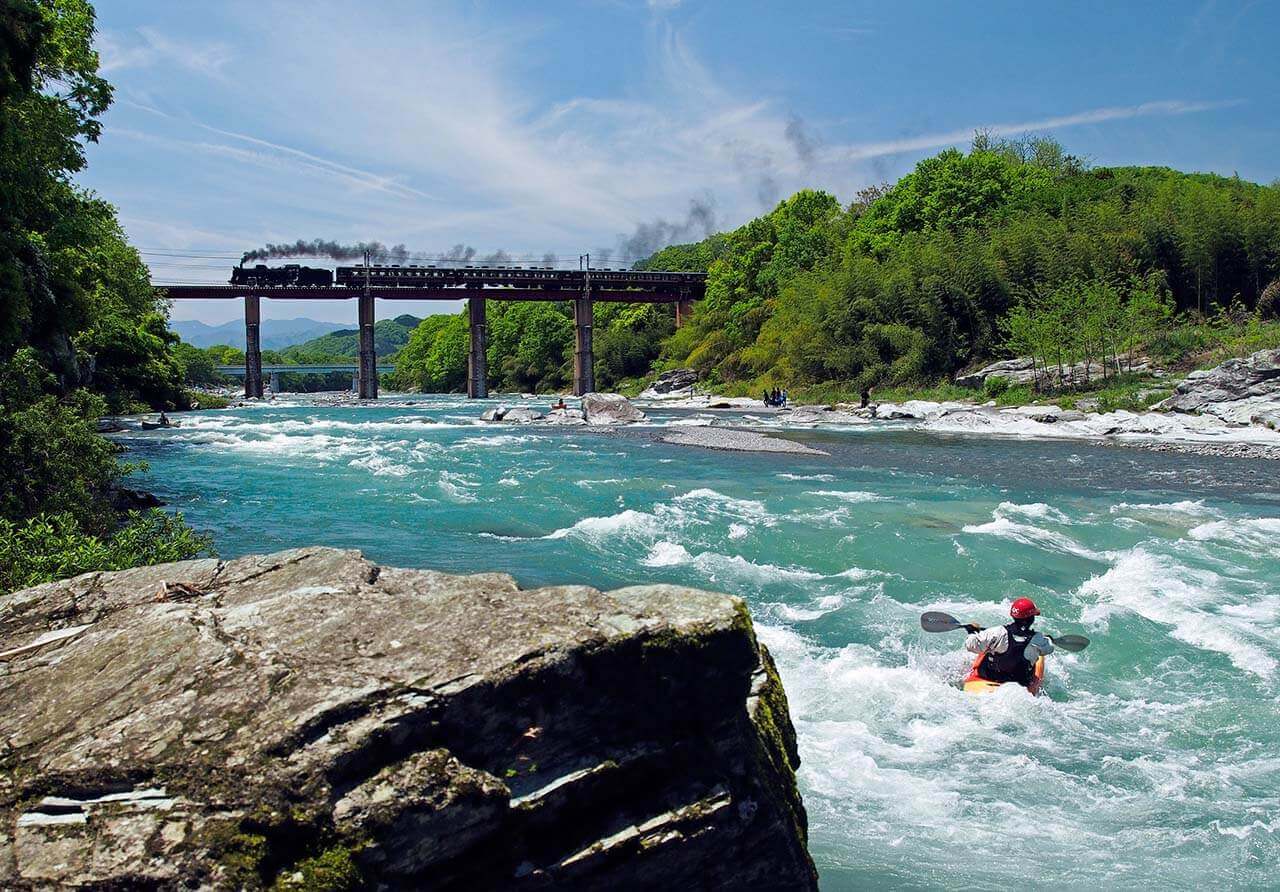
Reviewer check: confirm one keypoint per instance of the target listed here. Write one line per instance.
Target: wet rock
(610, 408)
(233, 724)
(495, 414)
(124, 499)
(109, 426)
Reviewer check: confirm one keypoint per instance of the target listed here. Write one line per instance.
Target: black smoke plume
(805, 146)
(460, 252)
(319, 247)
(651, 237)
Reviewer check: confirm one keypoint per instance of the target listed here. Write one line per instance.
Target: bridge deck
(443, 292)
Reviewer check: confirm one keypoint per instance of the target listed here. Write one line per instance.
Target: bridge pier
(477, 358)
(368, 375)
(252, 347)
(684, 309)
(275, 382)
(355, 381)
(584, 375)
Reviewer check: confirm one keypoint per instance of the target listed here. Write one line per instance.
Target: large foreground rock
(610, 408)
(1236, 391)
(311, 719)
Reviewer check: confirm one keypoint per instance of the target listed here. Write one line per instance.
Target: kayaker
(164, 419)
(1012, 650)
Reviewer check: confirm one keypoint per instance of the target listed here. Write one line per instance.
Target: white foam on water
(381, 466)
(457, 487)
(855, 496)
(738, 531)
(666, 554)
(824, 478)
(499, 440)
(1190, 600)
(1033, 511)
(1260, 532)
(598, 530)
(1038, 537)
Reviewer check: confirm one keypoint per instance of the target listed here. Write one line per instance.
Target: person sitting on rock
(1012, 650)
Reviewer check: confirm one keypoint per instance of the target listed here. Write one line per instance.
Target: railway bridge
(476, 285)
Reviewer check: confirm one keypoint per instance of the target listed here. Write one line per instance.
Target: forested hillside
(1012, 246)
(914, 282)
(80, 328)
(389, 335)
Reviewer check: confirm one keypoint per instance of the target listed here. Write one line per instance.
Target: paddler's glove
(972, 629)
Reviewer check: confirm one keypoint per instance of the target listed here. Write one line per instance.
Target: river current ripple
(1154, 759)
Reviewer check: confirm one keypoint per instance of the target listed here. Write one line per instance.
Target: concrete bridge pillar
(477, 361)
(368, 377)
(584, 376)
(684, 309)
(275, 382)
(355, 381)
(252, 347)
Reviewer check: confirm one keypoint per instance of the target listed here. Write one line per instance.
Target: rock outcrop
(1236, 391)
(674, 383)
(310, 719)
(610, 408)
(1021, 370)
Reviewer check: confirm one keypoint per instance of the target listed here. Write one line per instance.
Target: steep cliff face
(310, 719)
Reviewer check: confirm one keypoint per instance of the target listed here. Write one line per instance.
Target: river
(1153, 760)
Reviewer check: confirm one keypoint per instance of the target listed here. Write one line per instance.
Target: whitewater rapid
(1151, 761)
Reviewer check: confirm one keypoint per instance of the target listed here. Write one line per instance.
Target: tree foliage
(970, 256)
(81, 330)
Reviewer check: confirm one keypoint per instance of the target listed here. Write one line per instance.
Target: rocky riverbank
(310, 717)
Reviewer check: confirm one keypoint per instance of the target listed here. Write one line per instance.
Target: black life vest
(1012, 665)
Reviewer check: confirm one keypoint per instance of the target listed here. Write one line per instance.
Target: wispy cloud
(147, 47)
(446, 134)
(1093, 116)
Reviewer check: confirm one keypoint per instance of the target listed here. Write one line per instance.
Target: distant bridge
(476, 285)
(241, 371)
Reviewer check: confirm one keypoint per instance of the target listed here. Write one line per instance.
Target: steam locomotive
(289, 274)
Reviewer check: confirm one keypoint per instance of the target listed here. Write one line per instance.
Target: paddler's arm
(1041, 643)
(984, 640)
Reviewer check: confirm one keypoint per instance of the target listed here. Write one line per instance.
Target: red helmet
(1023, 608)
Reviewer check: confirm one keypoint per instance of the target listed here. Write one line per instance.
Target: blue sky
(558, 128)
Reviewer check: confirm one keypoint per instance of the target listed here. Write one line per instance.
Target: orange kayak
(976, 684)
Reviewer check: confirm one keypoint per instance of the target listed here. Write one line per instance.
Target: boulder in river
(610, 408)
(272, 720)
(567, 415)
(522, 415)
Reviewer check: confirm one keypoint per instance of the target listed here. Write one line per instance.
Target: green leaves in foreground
(51, 547)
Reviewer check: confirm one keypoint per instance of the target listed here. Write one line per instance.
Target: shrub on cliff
(55, 546)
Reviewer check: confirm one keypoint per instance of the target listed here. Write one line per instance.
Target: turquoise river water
(1154, 759)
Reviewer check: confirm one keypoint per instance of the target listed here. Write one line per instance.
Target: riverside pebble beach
(1150, 759)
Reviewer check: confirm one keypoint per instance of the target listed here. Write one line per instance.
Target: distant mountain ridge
(389, 335)
(276, 333)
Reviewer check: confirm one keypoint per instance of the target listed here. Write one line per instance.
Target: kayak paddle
(935, 621)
